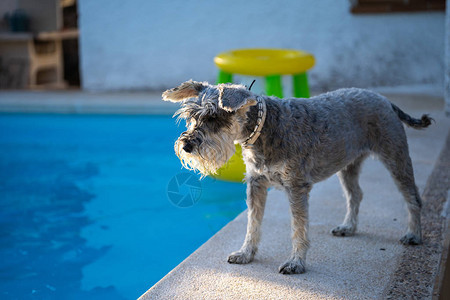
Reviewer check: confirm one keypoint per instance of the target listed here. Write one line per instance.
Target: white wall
(142, 44)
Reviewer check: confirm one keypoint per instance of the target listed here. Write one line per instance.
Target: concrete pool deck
(75, 101)
(371, 264)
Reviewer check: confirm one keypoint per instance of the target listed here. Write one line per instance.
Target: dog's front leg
(298, 200)
(256, 201)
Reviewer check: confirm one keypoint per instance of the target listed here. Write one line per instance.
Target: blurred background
(108, 45)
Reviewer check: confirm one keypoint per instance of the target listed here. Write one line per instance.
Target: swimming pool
(88, 209)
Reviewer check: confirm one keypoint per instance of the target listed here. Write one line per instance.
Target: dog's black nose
(188, 147)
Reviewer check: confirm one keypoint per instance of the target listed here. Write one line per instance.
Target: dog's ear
(186, 90)
(232, 99)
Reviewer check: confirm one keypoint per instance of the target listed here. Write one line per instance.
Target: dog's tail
(421, 123)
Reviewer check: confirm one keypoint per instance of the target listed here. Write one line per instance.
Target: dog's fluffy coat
(303, 141)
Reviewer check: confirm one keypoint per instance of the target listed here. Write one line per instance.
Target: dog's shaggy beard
(212, 154)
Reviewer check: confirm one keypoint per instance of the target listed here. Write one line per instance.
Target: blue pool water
(85, 208)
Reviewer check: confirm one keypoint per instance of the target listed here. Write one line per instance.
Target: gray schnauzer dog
(292, 144)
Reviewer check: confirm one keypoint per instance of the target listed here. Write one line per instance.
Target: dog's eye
(211, 118)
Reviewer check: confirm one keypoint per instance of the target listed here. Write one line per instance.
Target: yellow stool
(272, 64)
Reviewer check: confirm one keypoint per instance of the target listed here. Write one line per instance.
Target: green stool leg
(273, 86)
(224, 77)
(300, 84)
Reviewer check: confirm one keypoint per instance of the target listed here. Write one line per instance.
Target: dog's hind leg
(395, 157)
(349, 180)
(298, 200)
(256, 200)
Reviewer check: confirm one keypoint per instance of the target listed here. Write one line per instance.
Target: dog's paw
(240, 257)
(411, 239)
(292, 267)
(343, 230)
